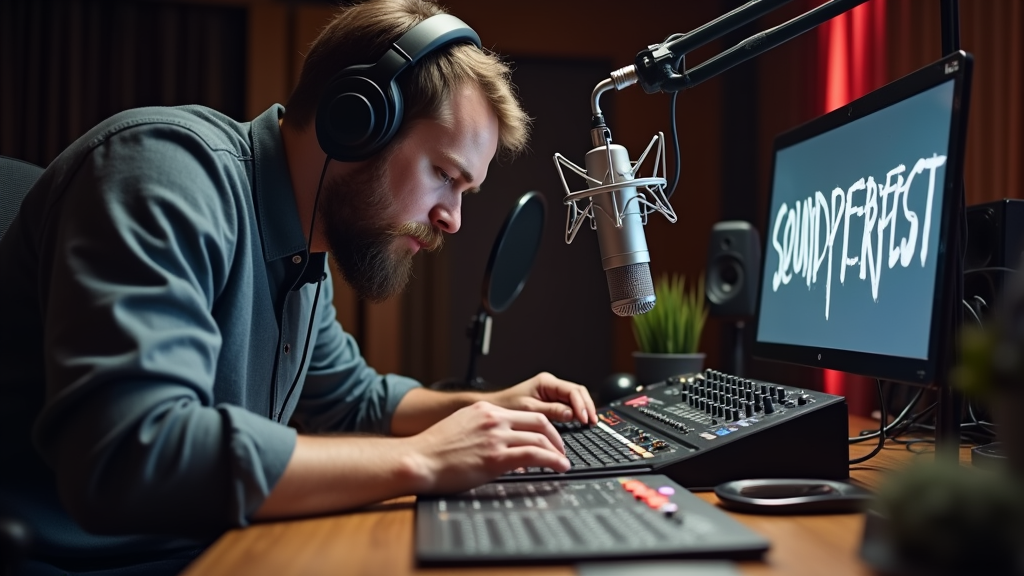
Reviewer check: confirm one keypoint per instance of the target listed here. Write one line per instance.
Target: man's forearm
(421, 408)
(331, 474)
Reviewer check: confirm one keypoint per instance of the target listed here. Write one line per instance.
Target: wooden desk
(379, 540)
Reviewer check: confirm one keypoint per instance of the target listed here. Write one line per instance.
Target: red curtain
(852, 52)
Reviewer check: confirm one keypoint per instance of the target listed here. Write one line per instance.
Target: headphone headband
(361, 108)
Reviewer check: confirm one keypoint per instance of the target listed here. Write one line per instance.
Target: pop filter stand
(508, 267)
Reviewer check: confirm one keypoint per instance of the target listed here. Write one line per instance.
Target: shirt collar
(277, 214)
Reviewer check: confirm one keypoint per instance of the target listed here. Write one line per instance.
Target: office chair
(16, 178)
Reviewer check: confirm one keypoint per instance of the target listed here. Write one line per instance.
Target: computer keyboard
(596, 449)
(588, 447)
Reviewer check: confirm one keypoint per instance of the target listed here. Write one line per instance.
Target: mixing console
(708, 428)
(574, 519)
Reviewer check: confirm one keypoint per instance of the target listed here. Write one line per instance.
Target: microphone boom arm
(657, 68)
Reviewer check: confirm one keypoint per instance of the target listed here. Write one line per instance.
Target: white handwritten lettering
(804, 235)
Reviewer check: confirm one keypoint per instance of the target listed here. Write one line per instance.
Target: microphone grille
(631, 289)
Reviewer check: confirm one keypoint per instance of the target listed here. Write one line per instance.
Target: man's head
(459, 112)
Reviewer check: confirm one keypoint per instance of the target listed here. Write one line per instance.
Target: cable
(898, 421)
(316, 297)
(974, 313)
(980, 423)
(991, 269)
(881, 429)
(675, 144)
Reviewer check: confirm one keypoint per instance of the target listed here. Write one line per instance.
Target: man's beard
(354, 211)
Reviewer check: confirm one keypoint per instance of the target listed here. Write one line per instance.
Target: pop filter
(513, 253)
(508, 267)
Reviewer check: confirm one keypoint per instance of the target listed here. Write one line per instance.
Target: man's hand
(481, 442)
(558, 399)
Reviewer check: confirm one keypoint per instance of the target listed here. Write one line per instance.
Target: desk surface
(379, 540)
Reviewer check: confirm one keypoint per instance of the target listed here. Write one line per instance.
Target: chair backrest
(16, 178)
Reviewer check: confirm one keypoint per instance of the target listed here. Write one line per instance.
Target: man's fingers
(535, 421)
(591, 408)
(576, 396)
(516, 438)
(527, 456)
(579, 405)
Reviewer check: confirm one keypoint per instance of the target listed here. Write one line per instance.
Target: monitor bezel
(957, 66)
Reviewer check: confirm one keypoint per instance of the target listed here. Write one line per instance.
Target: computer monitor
(856, 250)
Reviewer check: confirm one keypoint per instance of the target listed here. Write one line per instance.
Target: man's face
(376, 217)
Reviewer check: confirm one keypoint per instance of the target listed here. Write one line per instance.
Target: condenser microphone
(624, 254)
(616, 204)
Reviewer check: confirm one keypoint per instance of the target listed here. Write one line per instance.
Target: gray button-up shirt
(154, 304)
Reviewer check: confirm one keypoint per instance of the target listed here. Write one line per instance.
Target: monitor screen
(855, 237)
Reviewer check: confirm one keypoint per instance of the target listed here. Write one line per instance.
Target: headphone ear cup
(355, 118)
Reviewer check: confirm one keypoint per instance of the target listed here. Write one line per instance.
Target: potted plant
(668, 336)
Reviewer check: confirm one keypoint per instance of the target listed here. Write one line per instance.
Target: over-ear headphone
(361, 108)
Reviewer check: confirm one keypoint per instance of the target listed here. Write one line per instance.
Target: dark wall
(66, 65)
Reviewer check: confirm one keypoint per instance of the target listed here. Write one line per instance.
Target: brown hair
(360, 34)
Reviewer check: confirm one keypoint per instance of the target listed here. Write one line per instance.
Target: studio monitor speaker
(733, 269)
(995, 242)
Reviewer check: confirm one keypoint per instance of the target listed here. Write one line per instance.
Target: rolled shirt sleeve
(341, 392)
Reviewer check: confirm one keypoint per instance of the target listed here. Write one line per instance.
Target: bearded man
(171, 362)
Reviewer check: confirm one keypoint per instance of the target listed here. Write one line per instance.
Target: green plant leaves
(675, 324)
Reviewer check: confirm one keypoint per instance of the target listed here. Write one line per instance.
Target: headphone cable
(316, 297)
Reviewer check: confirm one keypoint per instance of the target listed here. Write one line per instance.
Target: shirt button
(287, 348)
(297, 259)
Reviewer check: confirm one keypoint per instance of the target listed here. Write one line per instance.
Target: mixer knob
(748, 409)
(749, 395)
(802, 400)
(734, 415)
(757, 404)
(769, 408)
(782, 393)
